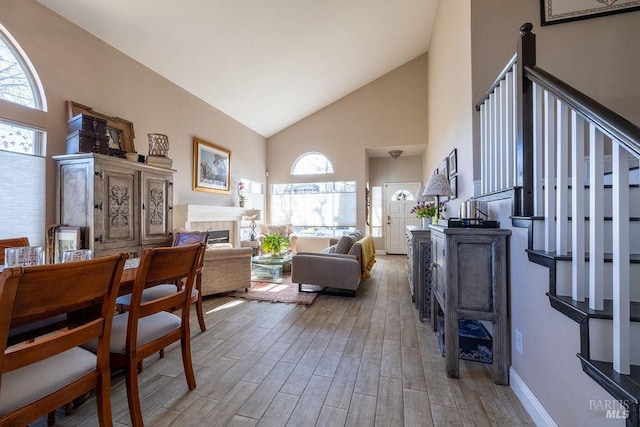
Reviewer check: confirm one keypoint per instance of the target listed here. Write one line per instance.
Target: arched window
(19, 84)
(22, 145)
(311, 164)
(403, 195)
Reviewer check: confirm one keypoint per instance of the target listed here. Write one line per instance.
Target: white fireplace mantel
(209, 217)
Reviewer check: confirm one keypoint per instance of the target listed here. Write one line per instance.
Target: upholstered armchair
(285, 230)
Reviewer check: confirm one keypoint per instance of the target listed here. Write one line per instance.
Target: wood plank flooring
(363, 361)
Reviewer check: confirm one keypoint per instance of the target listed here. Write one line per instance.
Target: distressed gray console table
(469, 281)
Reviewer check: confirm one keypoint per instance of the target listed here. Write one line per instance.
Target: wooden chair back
(14, 242)
(31, 294)
(175, 264)
(183, 238)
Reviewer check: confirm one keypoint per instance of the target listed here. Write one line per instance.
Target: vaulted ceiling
(265, 63)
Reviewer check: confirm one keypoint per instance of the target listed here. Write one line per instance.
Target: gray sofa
(341, 269)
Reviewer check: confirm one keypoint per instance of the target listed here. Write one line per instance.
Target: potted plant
(274, 244)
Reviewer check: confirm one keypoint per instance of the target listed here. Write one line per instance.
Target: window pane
(19, 139)
(23, 197)
(310, 164)
(320, 204)
(376, 211)
(15, 84)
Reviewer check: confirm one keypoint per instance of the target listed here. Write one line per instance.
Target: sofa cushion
(283, 230)
(344, 244)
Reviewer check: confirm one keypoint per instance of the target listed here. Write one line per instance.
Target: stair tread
(621, 386)
(605, 313)
(608, 257)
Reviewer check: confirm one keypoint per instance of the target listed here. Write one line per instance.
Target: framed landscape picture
(65, 238)
(211, 167)
(558, 11)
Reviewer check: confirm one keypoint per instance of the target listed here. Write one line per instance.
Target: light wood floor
(360, 361)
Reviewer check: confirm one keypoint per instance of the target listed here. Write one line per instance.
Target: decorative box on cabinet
(122, 206)
(469, 281)
(418, 268)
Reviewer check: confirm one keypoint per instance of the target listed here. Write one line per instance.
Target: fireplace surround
(210, 218)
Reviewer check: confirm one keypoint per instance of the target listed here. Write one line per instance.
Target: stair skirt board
(634, 230)
(601, 340)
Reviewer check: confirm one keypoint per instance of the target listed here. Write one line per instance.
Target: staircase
(571, 167)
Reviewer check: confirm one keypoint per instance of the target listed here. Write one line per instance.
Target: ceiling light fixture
(395, 153)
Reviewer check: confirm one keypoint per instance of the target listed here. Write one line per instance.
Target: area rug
(279, 292)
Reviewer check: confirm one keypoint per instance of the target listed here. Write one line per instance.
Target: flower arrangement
(241, 195)
(428, 209)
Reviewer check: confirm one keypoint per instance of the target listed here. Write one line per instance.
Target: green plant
(274, 243)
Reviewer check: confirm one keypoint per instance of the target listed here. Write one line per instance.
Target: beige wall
(73, 65)
(450, 110)
(390, 111)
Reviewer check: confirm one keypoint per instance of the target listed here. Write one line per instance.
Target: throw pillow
(344, 244)
(330, 250)
(283, 230)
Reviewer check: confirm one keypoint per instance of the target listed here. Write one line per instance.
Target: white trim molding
(535, 409)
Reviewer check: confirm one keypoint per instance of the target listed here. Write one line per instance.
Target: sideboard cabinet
(121, 206)
(469, 281)
(418, 268)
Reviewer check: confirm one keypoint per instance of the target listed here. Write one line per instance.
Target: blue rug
(474, 340)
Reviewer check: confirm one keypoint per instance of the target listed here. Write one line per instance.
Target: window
(311, 164)
(402, 195)
(323, 208)
(376, 211)
(22, 194)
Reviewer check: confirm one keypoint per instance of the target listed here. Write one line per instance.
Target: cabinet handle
(98, 174)
(98, 239)
(170, 208)
(143, 206)
(433, 265)
(98, 206)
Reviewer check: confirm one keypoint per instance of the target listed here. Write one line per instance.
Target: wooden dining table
(31, 328)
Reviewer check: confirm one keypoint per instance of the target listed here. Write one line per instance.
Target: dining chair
(181, 238)
(11, 243)
(39, 376)
(148, 327)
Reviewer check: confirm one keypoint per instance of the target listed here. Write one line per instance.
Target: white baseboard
(535, 409)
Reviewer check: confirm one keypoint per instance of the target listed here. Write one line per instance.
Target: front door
(400, 198)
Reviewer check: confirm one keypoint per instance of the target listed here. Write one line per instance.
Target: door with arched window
(400, 199)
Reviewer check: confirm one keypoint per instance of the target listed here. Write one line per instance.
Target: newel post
(524, 135)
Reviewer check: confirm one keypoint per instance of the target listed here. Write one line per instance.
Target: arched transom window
(311, 164)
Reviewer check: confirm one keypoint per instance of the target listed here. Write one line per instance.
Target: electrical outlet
(518, 341)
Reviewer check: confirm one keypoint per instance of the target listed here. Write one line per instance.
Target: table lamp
(437, 186)
(253, 215)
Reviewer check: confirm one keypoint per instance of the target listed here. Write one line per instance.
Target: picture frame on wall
(453, 162)
(453, 183)
(443, 167)
(65, 238)
(211, 167)
(559, 11)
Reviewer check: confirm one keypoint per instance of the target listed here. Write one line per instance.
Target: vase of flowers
(428, 212)
(241, 197)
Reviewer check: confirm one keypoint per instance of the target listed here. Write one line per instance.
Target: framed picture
(558, 11)
(211, 167)
(443, 167)
(65, 238)
(453, 183)
(119, 131)
(453, 162)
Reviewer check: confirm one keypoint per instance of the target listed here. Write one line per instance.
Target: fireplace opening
(218, 236)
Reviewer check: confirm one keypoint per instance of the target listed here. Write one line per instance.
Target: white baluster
(562, 179)
(538, 145)
(577, 209)
(509, 140)
(596, 219)
(549, 171)
(483, 147)
(499, 135)
(621, 278)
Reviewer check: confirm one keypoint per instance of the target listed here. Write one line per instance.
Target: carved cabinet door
(156, 207)
(116, 208)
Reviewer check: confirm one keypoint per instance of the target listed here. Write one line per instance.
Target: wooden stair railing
(544, 143)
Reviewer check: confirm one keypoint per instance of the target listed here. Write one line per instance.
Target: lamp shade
(253, 215)
(438, 186)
